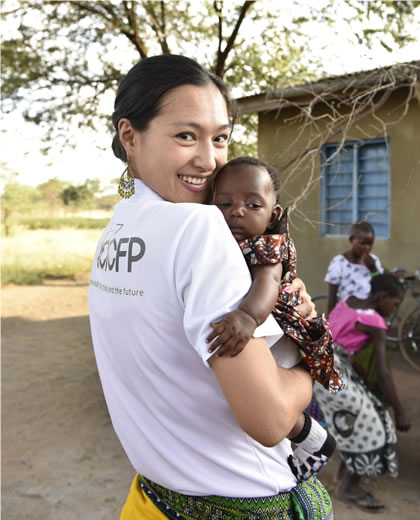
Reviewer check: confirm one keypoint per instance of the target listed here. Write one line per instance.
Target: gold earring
(126, 184)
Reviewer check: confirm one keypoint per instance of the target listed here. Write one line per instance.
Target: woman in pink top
(357, 416)
(343, 322)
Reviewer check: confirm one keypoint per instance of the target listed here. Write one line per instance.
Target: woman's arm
(384, 376)
(265, 399)
(332, 297)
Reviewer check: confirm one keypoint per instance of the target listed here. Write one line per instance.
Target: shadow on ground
(60, 456)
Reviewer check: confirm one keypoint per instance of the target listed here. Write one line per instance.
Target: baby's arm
(264, 292)
(237, 327)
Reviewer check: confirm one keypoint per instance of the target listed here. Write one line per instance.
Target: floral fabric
(312, 336)
(309, 500)
(362, 427)
(351, 279)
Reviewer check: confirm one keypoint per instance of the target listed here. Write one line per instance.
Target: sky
(92, 156)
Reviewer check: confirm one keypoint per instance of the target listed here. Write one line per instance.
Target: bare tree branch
(159, 28)
(134, 35)
(340, 116)
(218, 7)
(222, 56)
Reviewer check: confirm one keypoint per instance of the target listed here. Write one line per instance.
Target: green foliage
(64, 60)
(30, 257)
(22, 205)
(15, 57)
(28, 207)
(63, 223)
(18, 224)
(81, 196)
(107, 202)
(244, 138)
(387, 18)
(51, 190)
(65, 56)
(16, 197)
(12, 274)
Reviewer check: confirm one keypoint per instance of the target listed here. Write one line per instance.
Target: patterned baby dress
(312, 336)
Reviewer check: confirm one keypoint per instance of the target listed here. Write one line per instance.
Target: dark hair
(387, 283)
(361, 228)
(141, 91)
(252, 161)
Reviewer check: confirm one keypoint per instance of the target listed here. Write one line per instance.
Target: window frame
(356, 144)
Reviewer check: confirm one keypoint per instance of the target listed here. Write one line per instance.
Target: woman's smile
(196, 184)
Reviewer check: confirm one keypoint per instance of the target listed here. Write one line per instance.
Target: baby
(246, 192)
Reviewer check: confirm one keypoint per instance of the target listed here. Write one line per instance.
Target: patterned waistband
(309, 500)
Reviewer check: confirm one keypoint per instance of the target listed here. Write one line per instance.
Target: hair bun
(118, 148)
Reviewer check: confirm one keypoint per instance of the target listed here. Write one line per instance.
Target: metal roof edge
(284, 96)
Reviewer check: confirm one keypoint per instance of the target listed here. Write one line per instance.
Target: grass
(34, 223)
(29, 257)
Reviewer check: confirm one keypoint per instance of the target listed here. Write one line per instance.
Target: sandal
(366, 502)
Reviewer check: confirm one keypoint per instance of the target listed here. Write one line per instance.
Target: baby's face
(245, 195)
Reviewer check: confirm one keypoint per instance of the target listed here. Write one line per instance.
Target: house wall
(279, 141)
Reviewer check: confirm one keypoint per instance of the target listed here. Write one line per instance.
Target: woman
(357, 417)
(350, 273)
(201, 431)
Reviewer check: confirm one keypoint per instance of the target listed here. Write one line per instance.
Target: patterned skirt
(309, 500)
(362, 427)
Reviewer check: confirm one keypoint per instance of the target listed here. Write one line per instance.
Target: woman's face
(184, 146)
(362, 244)
(387, 304)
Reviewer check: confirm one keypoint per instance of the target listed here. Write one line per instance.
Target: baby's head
(386, 293)
(362, 237)
(246, 192)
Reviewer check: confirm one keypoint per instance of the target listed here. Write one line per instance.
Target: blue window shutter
(355, 186)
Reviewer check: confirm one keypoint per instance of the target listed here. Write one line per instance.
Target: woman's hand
(307, 307)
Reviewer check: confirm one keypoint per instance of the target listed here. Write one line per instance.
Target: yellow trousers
(139, 506)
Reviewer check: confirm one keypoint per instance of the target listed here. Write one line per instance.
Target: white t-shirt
(352, 279)
(162, 272)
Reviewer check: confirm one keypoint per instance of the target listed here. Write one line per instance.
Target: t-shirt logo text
(113, 249)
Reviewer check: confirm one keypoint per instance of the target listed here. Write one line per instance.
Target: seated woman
(358, 420)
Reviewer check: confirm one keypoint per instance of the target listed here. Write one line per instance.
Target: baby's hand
(232, 333)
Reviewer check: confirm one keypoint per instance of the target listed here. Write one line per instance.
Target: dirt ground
(60, 456)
